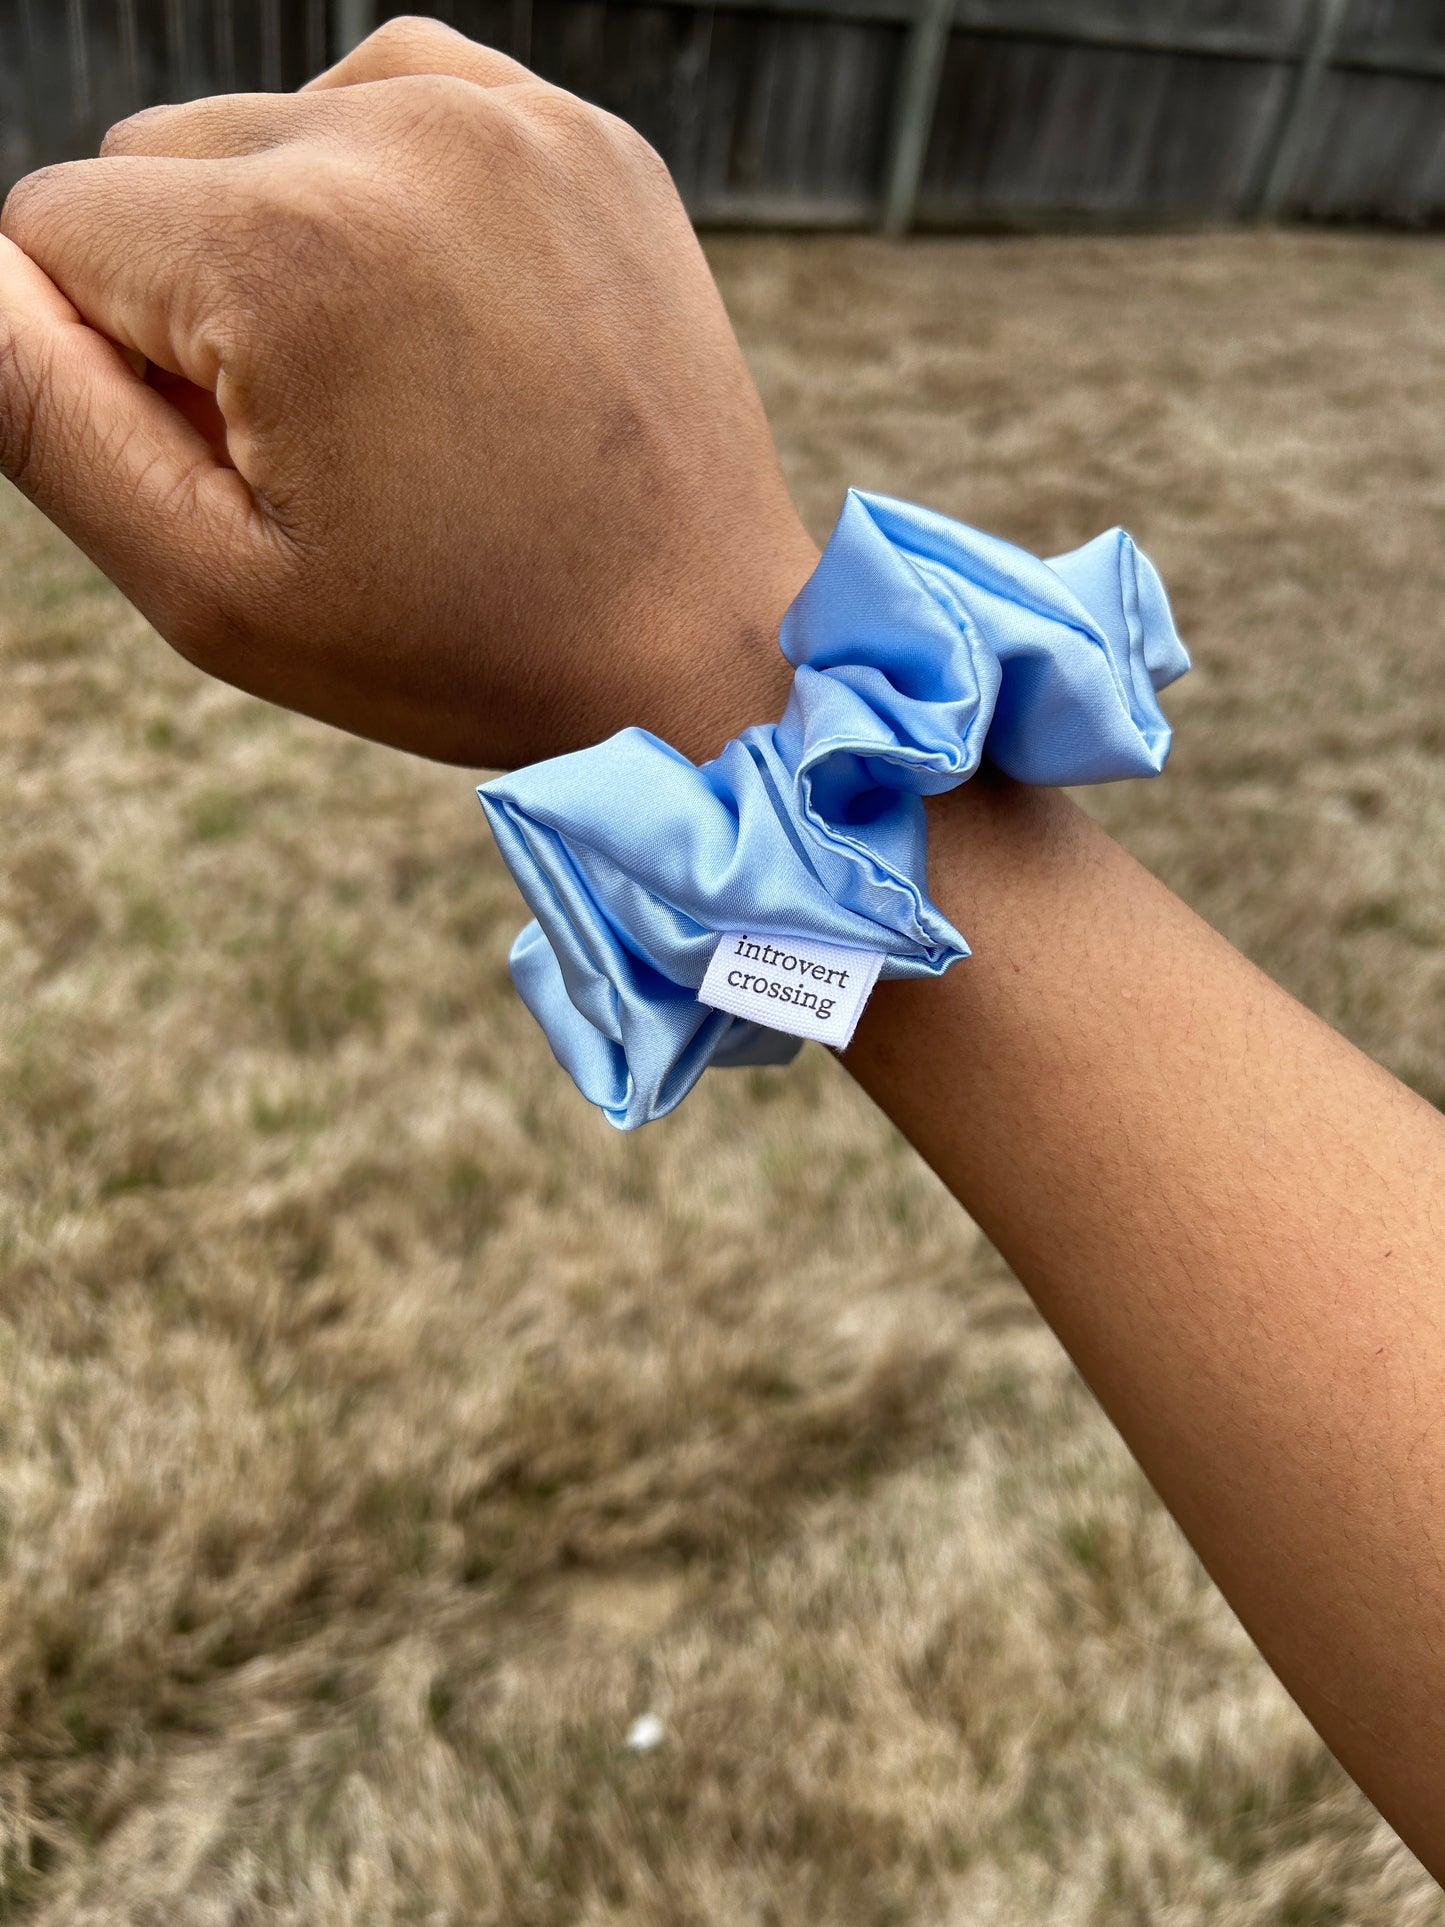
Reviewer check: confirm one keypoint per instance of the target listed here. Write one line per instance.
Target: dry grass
(381, 1434)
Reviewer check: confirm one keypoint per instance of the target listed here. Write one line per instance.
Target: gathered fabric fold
(919, 646)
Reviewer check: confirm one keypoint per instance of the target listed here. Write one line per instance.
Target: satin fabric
(919, 646)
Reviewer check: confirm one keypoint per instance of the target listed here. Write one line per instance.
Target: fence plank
(1397, 59)
(1376, 144)
(1028, 133)
(271, 46)
(519, 36)
(1294, 124)
(315, 36)
(354, 20)
(689, 106)
(178, 65)
(78, 55)
(917, 103)
(1088, 26)
(931, 112)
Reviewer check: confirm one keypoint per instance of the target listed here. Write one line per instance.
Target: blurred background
(855, 113)
(420, 1504)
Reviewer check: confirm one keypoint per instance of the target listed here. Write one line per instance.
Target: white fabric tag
(795, 984)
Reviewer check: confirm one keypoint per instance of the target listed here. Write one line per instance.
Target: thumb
(116, 466)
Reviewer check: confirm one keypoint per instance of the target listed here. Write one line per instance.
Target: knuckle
(442, 95)
(603, 138)
(27, 200)
(573, 136)
(305, 211)
(128, 134)
(409, 33)
(442, 119)
(400, 30)
(319, 233)
(638, 152)
(432, 105)
(555, 111)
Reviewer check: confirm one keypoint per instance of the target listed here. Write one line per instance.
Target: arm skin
(1234, 1221)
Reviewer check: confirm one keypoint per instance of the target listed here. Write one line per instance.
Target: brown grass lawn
(381, 1434)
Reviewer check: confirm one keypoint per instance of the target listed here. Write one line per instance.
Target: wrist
(720, 668)
(926, 646)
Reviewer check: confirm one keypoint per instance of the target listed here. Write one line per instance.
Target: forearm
(1234, 1222)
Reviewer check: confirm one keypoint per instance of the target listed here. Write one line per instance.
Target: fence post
(352, 21)
(1287, 149)
(922, 70)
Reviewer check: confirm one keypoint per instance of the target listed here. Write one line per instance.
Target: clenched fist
(407, 401)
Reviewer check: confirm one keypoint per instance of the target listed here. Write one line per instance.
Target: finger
(218, 128)
(118, 469)
(132, 243)
(412, 46)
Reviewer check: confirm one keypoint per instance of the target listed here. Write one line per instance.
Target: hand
(445, 436)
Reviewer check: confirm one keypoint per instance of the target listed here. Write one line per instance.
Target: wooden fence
(899, 113)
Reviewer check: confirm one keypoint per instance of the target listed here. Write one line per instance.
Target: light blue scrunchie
(919, 646)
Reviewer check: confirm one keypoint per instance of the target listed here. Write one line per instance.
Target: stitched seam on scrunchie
(568, 921)
(852, 850)
(1089, 629)
(784, 816)
(854, 853)
(564, 840)
(1134, 629)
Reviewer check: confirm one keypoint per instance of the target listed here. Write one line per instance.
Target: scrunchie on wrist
(919, 646)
